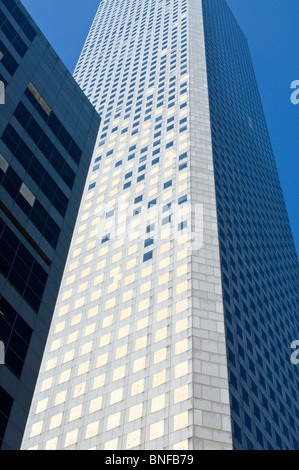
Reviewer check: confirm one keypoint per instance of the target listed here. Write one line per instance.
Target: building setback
(179, 302)
(48, 129)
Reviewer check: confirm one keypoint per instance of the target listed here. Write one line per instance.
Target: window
(183, 156)
(150, 227)
(137, 211)
(182, 199)
(106, 238)
(39, 98)
(152, 203)
(138, 199)
(148, 242)
(183, 166)
(147, 256)
(166, 220)
(109, 214)
(27, 194)
(167, 207)
(182, 225)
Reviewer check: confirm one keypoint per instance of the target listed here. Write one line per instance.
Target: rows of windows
(54, 124)
(133, 439)
(34, 210)
(20, 19)
(110, 285)
(176, 213)
(33, 129)
(12, 36)
(137, 55)
(118, 372)
(110, 127)
(16, 335)
(141, 156)
(6, 402)
(6, 58)
(21, 268)
(260, 314)
(43, 142)
(35, 169)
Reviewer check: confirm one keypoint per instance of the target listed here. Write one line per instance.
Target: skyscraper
(179, 301)
(47, 133)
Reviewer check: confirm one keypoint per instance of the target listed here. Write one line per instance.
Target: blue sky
(271, 27)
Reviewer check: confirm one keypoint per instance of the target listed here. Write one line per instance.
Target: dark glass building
(48, 129)
(258, 258)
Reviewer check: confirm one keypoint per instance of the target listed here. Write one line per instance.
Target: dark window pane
(6, 402)
(23, 329)
(13, 361)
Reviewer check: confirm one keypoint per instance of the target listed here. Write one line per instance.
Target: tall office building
(178, 302)
(47, 133)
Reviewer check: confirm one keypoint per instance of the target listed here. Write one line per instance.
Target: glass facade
(259, 263)
(48, 129)
(144, 350)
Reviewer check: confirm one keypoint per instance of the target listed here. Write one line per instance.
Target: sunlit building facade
(155, 343)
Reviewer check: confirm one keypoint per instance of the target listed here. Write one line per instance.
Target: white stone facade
(136, 355)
